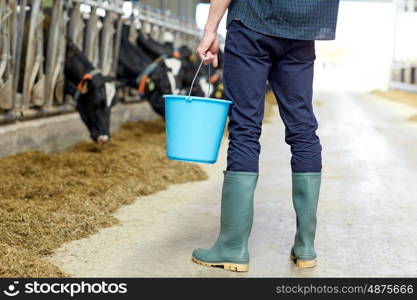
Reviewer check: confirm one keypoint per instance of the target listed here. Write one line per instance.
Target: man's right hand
(209, 45)
(209, 48)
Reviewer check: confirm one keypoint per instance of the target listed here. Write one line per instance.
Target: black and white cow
(93, 93)
(156, 69)
(138, 69)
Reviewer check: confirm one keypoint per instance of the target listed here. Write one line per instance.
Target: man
(267, 41)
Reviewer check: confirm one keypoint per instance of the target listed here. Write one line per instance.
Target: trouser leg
(246, 70)
(291, 79)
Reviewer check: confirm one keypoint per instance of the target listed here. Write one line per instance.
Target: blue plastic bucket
(194, 127)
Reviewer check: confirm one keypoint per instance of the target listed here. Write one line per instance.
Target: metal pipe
(117, 45)
(17, 46)
(118, 8)
(30, 114)
(31, 54)
(53, 51)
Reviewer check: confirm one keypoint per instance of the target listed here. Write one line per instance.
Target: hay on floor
(49, 199)
(270, 105)
(398, 96)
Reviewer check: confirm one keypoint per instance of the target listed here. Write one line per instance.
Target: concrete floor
(367, 211)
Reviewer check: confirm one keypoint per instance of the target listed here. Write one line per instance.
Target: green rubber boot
(305, 193)
(231, 249)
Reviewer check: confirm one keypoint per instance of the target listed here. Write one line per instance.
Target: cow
(132, 61)
(154, 49)
(189, 66)
(137, 69)
(182, 65)
(92, 92)
(166, 51)
(156, 69)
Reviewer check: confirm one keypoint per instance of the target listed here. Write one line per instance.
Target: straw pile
(402, 97)
(49, 199)
(270, 104)
(399, 96)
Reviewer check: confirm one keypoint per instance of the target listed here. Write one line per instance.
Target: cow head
(88, 87)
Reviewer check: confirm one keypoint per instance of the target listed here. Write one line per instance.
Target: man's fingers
(205, 56)
(205, 44)
(207, 50)
(214, 47)
(215, 61)
(208, 58)
(200, 53)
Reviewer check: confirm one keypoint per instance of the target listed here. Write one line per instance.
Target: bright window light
(85, 8)
(127, 8)
(201, 15)
(101, 12)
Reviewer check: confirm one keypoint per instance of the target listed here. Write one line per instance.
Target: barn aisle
(369, 184)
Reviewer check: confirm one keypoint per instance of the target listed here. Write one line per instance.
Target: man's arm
(209, 45)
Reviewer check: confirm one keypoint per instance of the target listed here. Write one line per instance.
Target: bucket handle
(195, 77)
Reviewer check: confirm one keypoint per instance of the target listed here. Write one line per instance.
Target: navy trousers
(251, 60)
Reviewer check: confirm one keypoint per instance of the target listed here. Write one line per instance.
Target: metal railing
(32, 54)
(404, 77)
(8, 21)
(158, 22)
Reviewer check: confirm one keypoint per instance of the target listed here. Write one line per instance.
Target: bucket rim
(198, 98)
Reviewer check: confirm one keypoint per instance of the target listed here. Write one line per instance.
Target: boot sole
(224, 265)
(302, 264)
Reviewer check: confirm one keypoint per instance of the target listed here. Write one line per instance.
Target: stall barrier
(33, 48)
(404, 77)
